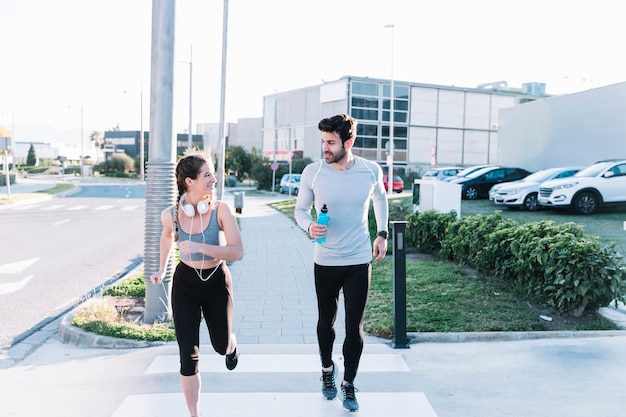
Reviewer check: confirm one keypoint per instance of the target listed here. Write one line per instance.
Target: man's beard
(335, 157)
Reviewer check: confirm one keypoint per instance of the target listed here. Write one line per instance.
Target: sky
(64, 58)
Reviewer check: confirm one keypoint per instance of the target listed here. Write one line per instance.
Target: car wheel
(585, 203)
(470, 193)
(295, 191)
(531, 203)
(281, 190)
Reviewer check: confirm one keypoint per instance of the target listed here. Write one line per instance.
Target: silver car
(523, 193)
(290, 183)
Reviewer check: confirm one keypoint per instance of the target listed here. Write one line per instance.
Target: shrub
(427, 230)
(468, 235)
(557, 265)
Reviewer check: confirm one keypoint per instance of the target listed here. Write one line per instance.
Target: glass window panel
(371, 103)
(370, 143)
(399, 117)
(366, 89)
(400, 105)
(401, 91)
(363, 129)
(365, 114)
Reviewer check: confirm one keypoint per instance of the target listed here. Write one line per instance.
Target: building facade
(128, 142)
(574, 129)
(432, 124)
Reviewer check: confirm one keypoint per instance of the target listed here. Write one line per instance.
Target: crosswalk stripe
(27, 207)
(104, 207)
(78, 207)
(53, 207)
(279, 363)
(275, 404)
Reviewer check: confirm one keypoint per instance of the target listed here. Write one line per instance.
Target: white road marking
(17, 267)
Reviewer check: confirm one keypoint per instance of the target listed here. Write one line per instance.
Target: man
(346, 184)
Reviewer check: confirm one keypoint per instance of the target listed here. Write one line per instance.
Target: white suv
(601, 184)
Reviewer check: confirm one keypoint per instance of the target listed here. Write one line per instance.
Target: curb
(72, 335)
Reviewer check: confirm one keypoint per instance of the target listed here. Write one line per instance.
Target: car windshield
(479, 172)
(593, 170)
(540, 176)
(430, 174)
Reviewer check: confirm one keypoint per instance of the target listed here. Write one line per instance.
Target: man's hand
(380, 248)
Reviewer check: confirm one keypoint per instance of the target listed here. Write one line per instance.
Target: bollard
(400, 340)
(238, 201)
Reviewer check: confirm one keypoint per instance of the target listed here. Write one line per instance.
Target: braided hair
(188, 167)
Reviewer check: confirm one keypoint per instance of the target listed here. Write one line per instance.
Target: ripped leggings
(193, 298)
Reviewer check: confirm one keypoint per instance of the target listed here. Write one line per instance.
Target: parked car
(398, 184)
(478, 183)
(523, 193)
(290, 183)
(441, 173)
(465, 172)
(598, 185)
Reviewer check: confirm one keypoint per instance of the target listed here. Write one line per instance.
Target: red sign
(274, 166)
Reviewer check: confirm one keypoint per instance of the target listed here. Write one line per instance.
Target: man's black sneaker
(329, 387)
(349, 397)
(232, 359)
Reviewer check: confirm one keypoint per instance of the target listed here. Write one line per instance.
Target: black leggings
(355, 281)
(191, 297)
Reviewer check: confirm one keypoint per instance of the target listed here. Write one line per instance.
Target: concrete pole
(391, 120)
(161, 188)
(221, 167)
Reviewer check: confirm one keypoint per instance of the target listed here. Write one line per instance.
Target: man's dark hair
(343, 124)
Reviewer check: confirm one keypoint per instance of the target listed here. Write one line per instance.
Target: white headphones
(189, 210)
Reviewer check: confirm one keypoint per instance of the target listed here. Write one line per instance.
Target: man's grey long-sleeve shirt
(347, 195)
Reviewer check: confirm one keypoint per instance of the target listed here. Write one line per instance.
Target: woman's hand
(187, 247)
(157, 277)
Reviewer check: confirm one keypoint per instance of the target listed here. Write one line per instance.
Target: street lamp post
(189, 133)
(391, 119)
(82, 142)
(141, 138)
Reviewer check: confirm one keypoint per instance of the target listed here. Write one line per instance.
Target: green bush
(468, 235)
(427, 230)
(557, 265)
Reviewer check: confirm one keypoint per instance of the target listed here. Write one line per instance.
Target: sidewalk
(490, 375)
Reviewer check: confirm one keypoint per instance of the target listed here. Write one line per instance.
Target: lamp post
(12, 138)
(221, 166)
(391, 117)
(82, 142)
(141, 139)
(189, 134)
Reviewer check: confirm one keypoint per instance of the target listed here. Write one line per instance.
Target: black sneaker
(349, 397)
(329, 387)
(232, 359)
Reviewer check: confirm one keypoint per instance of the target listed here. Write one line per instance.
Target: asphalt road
(56, 252)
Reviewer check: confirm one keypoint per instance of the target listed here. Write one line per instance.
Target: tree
(31, 159)
(238, 161)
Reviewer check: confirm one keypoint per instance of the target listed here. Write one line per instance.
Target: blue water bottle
(322, 218)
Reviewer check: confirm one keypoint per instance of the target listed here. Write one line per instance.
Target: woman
(202, 281)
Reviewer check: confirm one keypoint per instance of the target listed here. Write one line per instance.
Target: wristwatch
(383, 234)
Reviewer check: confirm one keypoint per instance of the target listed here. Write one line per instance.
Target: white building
(432, 124)
(574, 129)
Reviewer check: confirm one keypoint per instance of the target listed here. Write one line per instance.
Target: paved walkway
(573, 374)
